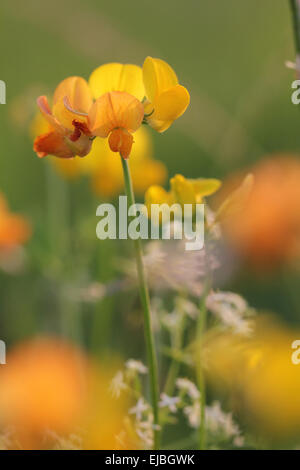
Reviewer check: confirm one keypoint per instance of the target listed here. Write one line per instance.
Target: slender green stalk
(201, 325)
(144, 295)
(295, 7)
(175, 364)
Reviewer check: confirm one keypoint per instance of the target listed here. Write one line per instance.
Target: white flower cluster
(169, 402)
(231, 309)
(137, 367)
(191, 395)
(216, 420)
(144, 426)
(219, 422)
(122, 379)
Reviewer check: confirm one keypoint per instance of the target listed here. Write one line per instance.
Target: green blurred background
(229, 54)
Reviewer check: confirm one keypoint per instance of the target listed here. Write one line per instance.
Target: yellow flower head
(183, 191)
(166, 99)
(124, 97)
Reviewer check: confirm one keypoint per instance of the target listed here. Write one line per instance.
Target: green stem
(201, 325)
(144, 295)
(175, 364)
(295, 7)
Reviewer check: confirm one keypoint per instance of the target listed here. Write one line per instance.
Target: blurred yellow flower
(183, 191)
(258, 373)
(107, 178)
(50, 388)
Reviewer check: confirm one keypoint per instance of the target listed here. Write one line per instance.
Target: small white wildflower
(148, 423)
(170, 266)
(169, 402)
(231, 309)
(214, 227)
(136, 366)
(117, 384)
(145, 428)
(146, 437)
(139, 409)
(189, 387)
(193, 414)
(217, 420)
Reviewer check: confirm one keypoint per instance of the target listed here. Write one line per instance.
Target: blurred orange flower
(262, 218)
(14, 229)
(49, 388)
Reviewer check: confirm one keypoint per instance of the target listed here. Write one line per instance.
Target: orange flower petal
(77, 90)
(66, 115)
(43, 104)
(121, 141)
(115, 109)
(52, 143)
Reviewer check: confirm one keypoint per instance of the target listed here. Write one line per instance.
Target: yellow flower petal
(121, 141)
(147, 173)
(77, 90)
(205, 187)
(142, 148)
(44, 107)
(158, 125)
(183, 190)
(171, 104)
(117, 77)
(107, 181)
(66, 116)
(157, 195)
(237, 200)
(115, 109)
(39, 125)
(158, 77)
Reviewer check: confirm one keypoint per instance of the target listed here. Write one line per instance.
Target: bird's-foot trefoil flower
(125, 97)
(183, 191)
(116, 115)
(166, 100)
(68, 133)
